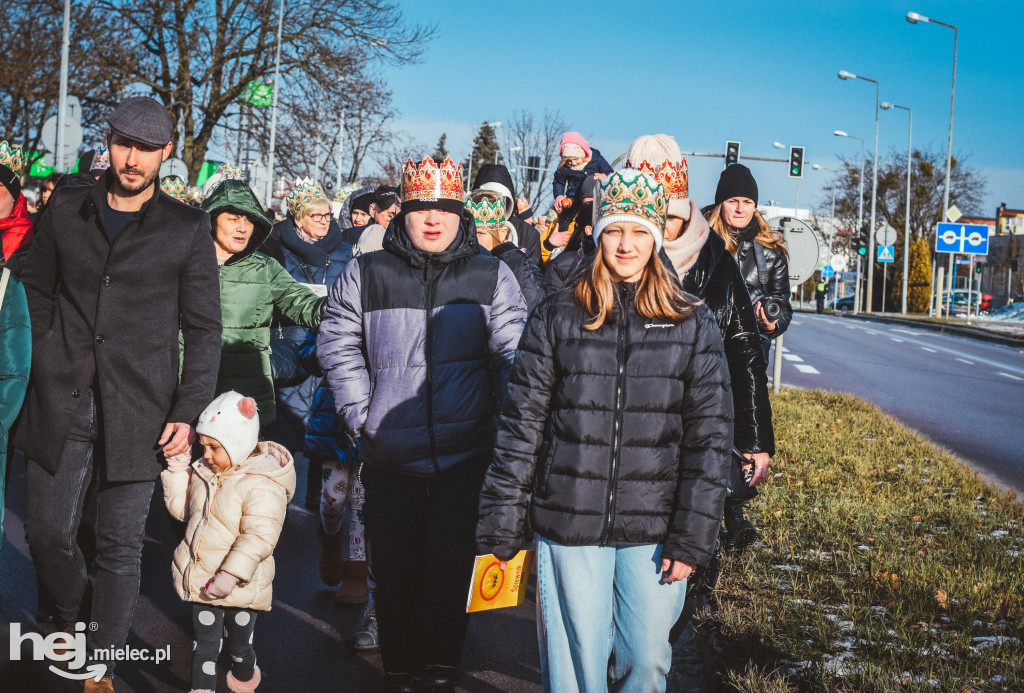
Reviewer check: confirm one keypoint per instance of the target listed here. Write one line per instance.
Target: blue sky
(707, 72)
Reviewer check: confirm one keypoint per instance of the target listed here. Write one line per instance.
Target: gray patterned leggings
(208, 624)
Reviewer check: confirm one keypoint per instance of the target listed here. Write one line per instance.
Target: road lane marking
(912, 332)
(969, 363)
(1007, 375)
(850, 327)
(791, 357)
(896, 340)
(805, 368)
(871, 332)
(931, 351)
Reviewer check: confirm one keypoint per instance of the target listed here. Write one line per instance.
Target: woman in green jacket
(15, 357)
(252, 285)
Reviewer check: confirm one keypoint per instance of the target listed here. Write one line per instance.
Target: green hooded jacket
(251, 286)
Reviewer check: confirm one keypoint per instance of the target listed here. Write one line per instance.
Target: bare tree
(30, 69)
(529, 136)
(199, 56)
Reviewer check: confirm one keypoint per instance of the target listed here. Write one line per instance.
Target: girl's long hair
(765, 236)
(658, 294)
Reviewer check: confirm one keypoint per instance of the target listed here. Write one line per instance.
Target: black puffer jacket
(529, 276)
(716, 278)
(616, 436)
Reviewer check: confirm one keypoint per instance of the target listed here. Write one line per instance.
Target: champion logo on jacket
(658, 324)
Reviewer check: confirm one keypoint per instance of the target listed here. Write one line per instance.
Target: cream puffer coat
(234, 520)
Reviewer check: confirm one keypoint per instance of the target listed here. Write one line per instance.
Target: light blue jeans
(604, 618)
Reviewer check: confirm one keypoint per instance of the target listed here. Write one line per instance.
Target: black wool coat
(619, 435)
(108, 314)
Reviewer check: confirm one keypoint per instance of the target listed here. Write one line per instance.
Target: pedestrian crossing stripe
(885, 253)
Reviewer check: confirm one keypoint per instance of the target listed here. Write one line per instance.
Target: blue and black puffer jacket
(417, 349)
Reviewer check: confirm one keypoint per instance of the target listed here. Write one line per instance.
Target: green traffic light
(862, 250)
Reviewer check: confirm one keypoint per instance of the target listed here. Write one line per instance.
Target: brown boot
(104, 685)
(332, 567)
(353, 588)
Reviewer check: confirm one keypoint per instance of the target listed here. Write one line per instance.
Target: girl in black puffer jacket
(613, 446)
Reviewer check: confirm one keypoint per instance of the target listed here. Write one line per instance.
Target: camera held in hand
(772, 307)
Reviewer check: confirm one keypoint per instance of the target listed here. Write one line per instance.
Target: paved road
(964, 394)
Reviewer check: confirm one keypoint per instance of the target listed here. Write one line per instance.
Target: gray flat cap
(142, 119)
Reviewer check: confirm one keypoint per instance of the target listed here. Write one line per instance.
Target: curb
(957, 330)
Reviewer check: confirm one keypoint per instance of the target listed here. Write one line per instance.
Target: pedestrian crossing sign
(886, 253)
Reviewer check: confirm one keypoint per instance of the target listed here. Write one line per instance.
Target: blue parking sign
(962, 239)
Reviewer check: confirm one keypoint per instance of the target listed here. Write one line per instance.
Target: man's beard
(133, 190)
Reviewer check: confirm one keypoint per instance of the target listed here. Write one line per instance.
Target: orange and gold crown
(428, 182)
(675, 177)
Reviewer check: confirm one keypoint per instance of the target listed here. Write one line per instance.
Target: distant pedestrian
(578, 160)
(613, 448)
(416, 342)
(233, 500)
(117, 273)
(820, 290)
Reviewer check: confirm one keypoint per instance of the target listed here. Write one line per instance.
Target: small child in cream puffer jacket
(234, 500)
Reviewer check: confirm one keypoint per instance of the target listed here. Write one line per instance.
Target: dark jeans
(208, 623)
(53, 515)
(423, 534)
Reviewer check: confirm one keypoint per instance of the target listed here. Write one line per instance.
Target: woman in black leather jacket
(759, 251)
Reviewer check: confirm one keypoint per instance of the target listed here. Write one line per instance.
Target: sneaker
(366, 638)
(739, 531)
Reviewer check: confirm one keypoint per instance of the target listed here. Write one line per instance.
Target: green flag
(259, 94)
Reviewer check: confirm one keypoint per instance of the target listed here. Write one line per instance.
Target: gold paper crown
(675, 177)
(633, 192)
(488, 210)
(12, 157)
(428, 182)
(173, 186)
(304, 190)
(344, 192)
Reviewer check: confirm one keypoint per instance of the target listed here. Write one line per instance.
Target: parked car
(845, 303)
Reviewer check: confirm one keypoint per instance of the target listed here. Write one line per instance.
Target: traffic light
(796, 162)
(533, 170)
(859, 243)
(732, 153)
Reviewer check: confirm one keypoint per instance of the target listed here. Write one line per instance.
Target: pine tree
(920, 281)
(441, 151)
(485, 147)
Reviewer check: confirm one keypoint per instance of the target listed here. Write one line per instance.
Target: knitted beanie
(576, 139)
(660, 154)
(736, 181)
(232, 421)
(631, 196)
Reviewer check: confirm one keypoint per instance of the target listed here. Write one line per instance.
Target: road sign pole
(885, 275)
(970, 288)
(62, 102)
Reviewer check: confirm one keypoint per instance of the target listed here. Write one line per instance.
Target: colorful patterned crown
(488, 210)
(304, 190)
(229, 172)
(428, 182)
(675, 177)
(174, 186)
(344, 192)
(632, 192)
(100, 159)
(12, 157)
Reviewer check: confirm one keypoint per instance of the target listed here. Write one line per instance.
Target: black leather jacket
(716, 278)
(777, 284)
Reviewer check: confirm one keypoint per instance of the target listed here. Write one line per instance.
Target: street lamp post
(273, 111)
(914, 18)
(906, 215)
(62, 101)
(860, 213)
(843, 74)
(835, 226)
(833, 171)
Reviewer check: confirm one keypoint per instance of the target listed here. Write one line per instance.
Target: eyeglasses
(318, 218)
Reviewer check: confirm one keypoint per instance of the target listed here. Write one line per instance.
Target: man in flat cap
(116, 270)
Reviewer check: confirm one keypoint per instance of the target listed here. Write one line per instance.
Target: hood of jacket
(237, 196)
(273, 461)
(345, 215)
(396, 241)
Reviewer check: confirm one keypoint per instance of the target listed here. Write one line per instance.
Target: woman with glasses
(252, 286)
